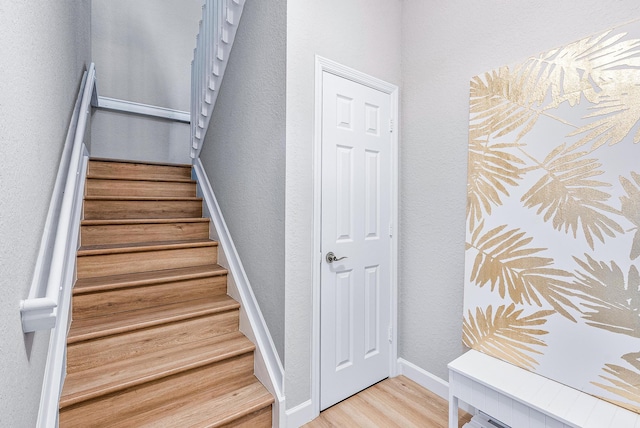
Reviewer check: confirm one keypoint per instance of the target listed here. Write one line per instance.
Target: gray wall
(143, 51)
(364, 35)
(244, 153)
(44, 49)
(444, 44)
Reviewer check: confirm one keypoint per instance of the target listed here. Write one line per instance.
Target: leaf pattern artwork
(612, 303)
(617, 115)
(630, 208)
(579, 68)
(506, 262)
(568, 195)
(623, 381)
(491, 170)
(499, 106)
(506, 335)
(553, 189)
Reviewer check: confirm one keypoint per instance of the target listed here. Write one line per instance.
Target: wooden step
(93, 285)
(103, 168)
(146, 188)
(139, 369)
(186, 333)
(94, 232)
(245, 407)
(93, 328)
(107, 260)
(120, 409)
(107, 207)
(111, 297)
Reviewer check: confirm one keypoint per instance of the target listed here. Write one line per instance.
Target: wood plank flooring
(396, 402)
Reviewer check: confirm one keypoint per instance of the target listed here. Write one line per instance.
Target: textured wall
(244, 154)
(362, 34)
(135, 137)
(444, 44)
(44, 48)
(143, 51)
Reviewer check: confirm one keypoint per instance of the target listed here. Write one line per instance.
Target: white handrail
(40, 312)
(213, 44)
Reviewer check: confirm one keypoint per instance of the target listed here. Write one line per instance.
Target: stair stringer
(267, 365)
(204, 100)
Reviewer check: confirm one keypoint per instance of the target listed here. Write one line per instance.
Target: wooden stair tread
(159, 179)
(151, 179)
(143, 221)
(137, 170)
(85, 385)
(91, 328)
(208, 410)
(104, 283)
(92, 250)
(139, 162)
(142, 198)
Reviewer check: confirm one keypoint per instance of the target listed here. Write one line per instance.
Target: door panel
(355, 291)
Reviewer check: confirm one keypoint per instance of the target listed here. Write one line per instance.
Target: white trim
(143, 109)
(423, 378)
(326, 65)
(213, 46)
(429, 381)
(300, 415)
(55, 368)
(38, 311)
(268, 367)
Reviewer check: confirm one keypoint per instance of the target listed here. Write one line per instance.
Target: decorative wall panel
(553, 215)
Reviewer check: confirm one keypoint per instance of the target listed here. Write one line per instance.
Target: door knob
(332, 257)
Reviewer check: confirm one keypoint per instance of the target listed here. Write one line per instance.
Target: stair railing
(213, 44)
(40, 310)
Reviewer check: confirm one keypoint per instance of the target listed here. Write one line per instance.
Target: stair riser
(259, 419)
(99, 187)
(142, 232)
(116, 410)
(134, 171)
(91, 354)
(112, 302)
(109, 210)
(116, 264)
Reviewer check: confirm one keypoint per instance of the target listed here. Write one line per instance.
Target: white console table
(519, 398)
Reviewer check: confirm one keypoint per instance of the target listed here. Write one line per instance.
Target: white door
(355, 293)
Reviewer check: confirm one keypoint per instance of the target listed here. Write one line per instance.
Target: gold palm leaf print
(609, 302)
(506, 335)
(580, 68)
(630, 208)
(618, 114)
(504, 261)
(623, 381)
(568, 196)
(498, 105)
(491, 170)
(504, 100)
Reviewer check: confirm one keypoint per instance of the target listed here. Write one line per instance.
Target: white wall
(364, 35)
(444, 44)
(44, 49)
(143, 51)
(244, 153)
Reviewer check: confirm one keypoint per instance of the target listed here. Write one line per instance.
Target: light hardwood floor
(397, 402)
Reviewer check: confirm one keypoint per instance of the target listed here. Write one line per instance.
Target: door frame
(326, 65)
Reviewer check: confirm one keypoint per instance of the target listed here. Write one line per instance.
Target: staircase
(154, 339)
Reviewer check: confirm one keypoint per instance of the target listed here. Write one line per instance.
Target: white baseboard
(299, 415)
(423, 378)
(428, 381)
